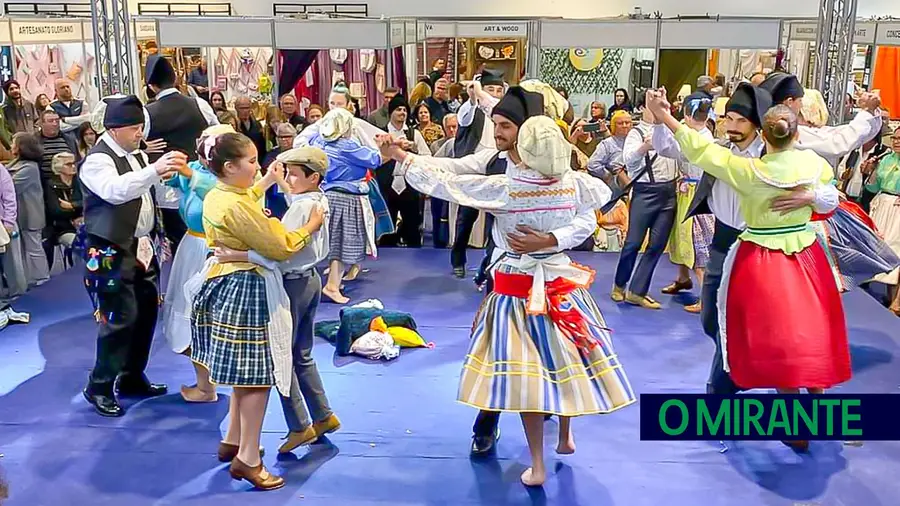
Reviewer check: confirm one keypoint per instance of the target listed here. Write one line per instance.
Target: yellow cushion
(406, 338)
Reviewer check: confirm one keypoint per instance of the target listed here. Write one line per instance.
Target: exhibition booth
(38, 51)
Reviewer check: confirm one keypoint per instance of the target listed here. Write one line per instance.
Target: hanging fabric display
(367, 60)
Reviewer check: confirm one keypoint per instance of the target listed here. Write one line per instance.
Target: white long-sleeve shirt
(663, 169)
(723, 201)
(301, 206)
(466, 116)
(568, 236)
(834, 142)
(100, 176)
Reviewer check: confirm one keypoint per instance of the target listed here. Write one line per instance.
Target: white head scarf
(555, 105)
(543, 148)
(335, 124)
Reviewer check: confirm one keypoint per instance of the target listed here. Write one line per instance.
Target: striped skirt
(346, 228)
(229, 330)
(522, 363)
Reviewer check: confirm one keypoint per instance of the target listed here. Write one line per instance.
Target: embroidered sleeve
(490, 193)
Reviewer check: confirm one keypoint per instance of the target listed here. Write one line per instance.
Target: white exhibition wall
(565, 8)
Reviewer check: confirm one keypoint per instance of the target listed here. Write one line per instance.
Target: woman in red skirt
(780, 311)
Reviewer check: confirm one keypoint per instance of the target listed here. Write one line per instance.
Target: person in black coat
(63, 204)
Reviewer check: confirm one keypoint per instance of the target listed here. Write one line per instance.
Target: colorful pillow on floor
(356, 322)
(406, 338)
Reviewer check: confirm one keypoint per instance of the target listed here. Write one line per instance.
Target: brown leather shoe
(678, 286)
(799, 446)
(241, 471)
(327, 426)
(297, 439)
(228, 452)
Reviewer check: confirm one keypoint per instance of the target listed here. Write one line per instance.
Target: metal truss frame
(834, 51)
(113, 46)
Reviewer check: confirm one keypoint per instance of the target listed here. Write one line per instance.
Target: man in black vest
(179, 121)
(402, 201)
(474, 132)
(123, 230)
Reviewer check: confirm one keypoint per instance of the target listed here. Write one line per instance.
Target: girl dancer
(540, 345)
(240, 319)
(195, 182)
(306, 411)
(378, 219)
(777, 345)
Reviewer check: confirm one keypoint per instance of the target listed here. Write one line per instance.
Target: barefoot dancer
(540, 345)
(240, 313)
(194, 183)
(345, 187)
(768, 345)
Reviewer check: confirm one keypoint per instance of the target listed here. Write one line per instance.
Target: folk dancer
(122, 266)
(540, 317)
(776, 345)
(652, 211)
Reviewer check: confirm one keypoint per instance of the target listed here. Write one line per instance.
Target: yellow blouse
(232, 217)
(758, 181)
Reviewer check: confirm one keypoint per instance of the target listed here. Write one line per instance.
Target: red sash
(571, 321)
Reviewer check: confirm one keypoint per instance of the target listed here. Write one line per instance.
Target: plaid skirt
(522, 363)
(346, 228)
(229, 330)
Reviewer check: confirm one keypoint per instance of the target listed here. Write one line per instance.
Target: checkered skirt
(522, 363)
(230, 330)
(346, 227)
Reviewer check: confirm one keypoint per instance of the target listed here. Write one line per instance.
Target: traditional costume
(378, 219)
(767, 344)
(691, 235)
(306, 411)
(539, 342)
(723, 202)
(476, 133)
(123, 233)
(517, 106)
(886, 204)
(192, 252)
(345, 185)
(652, 212)
(178, 120)
(854, 249)
(240, 313)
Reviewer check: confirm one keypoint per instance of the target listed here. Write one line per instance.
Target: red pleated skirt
(784, 320)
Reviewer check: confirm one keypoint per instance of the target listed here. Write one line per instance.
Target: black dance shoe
(141, 388)
(104, 405)
(485, 445)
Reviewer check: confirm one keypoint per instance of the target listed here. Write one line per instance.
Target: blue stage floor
(405, 440)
